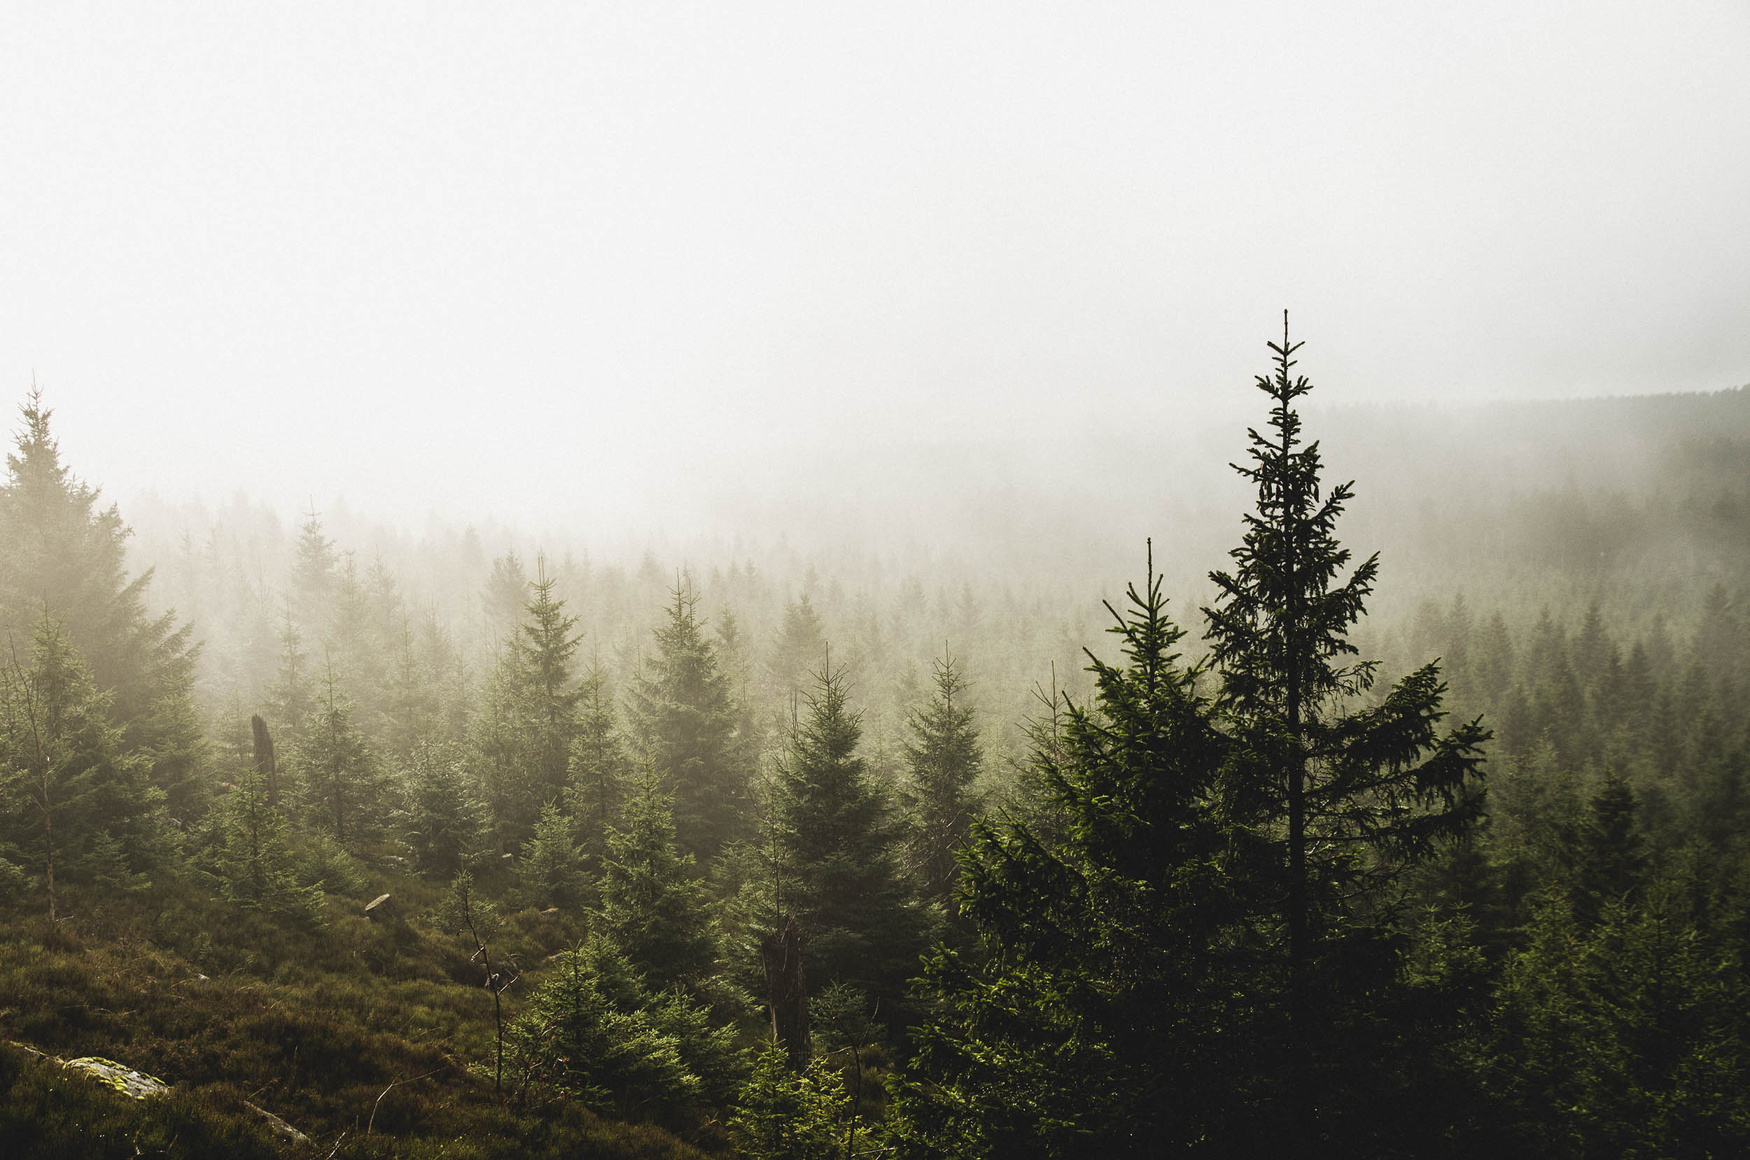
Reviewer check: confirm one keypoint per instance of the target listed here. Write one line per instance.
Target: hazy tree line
(860, 873)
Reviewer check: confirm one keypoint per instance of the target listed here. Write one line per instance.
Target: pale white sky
(537, 260)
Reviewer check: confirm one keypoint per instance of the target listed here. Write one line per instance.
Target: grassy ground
(368, 1038)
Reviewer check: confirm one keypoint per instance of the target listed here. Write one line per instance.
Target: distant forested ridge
(767, 848)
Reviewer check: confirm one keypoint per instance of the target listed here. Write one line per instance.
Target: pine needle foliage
(944, 759)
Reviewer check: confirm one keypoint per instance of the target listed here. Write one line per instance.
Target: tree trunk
(786, 990)
(264, 760)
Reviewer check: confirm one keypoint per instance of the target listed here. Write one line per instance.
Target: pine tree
(292, 698)
(1104, 1009)
(253, 860)
(546, 643)
(593, 1030)
(599, 769)
(410, 704)
(840, 846)
(1610, 859)
(944, 758)
(1335, 801)
(77, 806)
(441, 821)
(1197, 952)
(312, 578)
(507, 591)
(800, 640)
(687, 726)
(550, 869)
(354, 646)
(523, 728)
(651, 902)
(342, 785)
(66, 556)
(783, 1115)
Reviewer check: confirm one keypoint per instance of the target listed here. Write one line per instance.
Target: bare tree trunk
(264, 761)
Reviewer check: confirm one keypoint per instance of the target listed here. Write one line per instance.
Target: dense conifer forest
(346, 842)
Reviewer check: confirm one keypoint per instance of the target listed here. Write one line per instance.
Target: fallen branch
(371, 1123)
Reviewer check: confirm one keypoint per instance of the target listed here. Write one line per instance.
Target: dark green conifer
(78, 807)
(652, 903)
(253, 860)
(840, 844)
(548, 695)
(551, 866)
(1334, 801)
(1104, 1008)
(442, 823)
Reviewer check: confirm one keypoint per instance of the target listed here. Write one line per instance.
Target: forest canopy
(494, 846)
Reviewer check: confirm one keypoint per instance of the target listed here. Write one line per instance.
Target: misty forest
(1395, 802)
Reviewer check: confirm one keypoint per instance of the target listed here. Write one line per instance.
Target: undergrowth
(367, 1037)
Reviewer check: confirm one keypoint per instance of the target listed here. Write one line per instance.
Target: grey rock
(122, 1078)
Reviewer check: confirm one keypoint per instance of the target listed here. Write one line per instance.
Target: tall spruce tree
(506, 592)
(292, 696)
(313, 574)
(1200, 951)
(1330, 801)
(546, 643)
(66, 556)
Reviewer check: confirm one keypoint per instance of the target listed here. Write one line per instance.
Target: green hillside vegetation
(762, 853)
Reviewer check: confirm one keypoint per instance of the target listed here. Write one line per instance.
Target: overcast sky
(533, 260)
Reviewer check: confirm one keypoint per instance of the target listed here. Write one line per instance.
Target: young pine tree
(343, 789)
(252, 859)
(599, 770)
(651, 902)
(1102, 1009)
(78, 807)
(591, 1030)
(688, 727)
(525, 723)
(441, 820)
(785, 1115)
(550, 869)
(313, 574)
(546, 644)
(944, 759)
(292, 696)
(840, 848)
